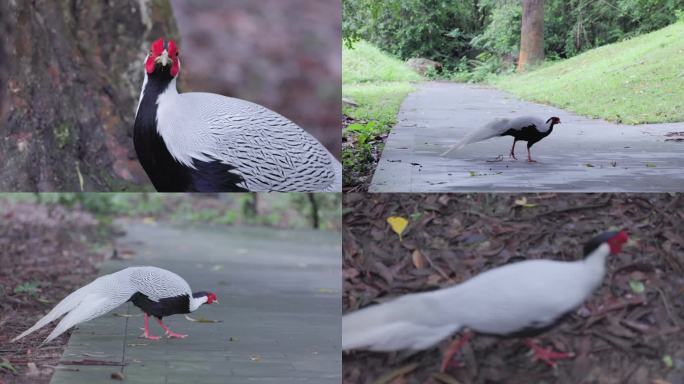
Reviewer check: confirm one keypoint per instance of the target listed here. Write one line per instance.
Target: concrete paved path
(581, 154)
(280, 306)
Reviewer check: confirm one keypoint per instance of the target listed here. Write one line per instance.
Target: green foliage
(62, 134)
(6, 365)
(28, 288)
(637, 81)
(434, 29)
(378, 83)
(282, 210)
(366, 63)
(449, 30)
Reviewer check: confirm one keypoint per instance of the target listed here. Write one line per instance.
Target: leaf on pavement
(202, 320)
(125, 315)
(118, 376)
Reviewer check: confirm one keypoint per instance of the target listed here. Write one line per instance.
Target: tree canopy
(462, 34)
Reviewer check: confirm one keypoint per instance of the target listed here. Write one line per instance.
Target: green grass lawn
(378, 83)
(640, 80)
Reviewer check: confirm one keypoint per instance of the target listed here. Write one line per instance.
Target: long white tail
(67, 304)
(84, 304)
(404, 323)
(492, 129)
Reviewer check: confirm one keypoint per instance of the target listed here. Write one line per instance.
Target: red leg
(147, 335)
(547, 355)
(512, 154)
(454, 348)
(529, 156)
(169, 333)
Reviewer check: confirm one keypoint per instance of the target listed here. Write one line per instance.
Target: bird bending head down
(157, 292)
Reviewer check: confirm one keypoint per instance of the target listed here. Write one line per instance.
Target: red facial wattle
(157, 50)
(211, 297)
(616, 242)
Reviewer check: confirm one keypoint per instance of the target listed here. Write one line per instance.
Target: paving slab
(280, 306)
(580, 155)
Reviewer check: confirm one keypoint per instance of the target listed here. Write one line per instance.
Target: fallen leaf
(398, 225)
(523, 203)
(255, 357)
(667, 360)
(6, 365)
(118, 376)
(650, 165)
(125, 315)
(32, 370)
(418, 259)
(202, 320)
(637, 286)
(445, 378)
(149, 220)
(389, 377)
(589, 165)
(232, 339)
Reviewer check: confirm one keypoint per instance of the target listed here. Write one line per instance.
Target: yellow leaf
(398, 224)
(523, 202)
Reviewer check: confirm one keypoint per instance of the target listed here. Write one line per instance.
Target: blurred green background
(282, 210)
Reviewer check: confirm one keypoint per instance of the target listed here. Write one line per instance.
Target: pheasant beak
(215, 301)
(163, 59)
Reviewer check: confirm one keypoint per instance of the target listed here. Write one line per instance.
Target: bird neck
(164, 171)
(595, 262)
(550, 124)
(196, 302)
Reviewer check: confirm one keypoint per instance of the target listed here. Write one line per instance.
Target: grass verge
(374, 84)
(640, 80)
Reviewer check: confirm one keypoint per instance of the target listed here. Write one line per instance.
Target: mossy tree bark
(531, 34)
(74, 76)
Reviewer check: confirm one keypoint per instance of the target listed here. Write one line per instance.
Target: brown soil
(618, 336)
(46, 253)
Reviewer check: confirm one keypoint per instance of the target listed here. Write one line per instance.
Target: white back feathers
(269, 151)
(500, 301)
(496, 128)
(108, 292)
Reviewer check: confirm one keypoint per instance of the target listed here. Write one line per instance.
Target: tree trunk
(74, 78)
(531, 34)
(4, 31)
(315, 218)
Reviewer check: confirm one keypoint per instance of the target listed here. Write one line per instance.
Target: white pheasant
(156, 291)
(524, 128)
(525, 296)
(204, 142)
